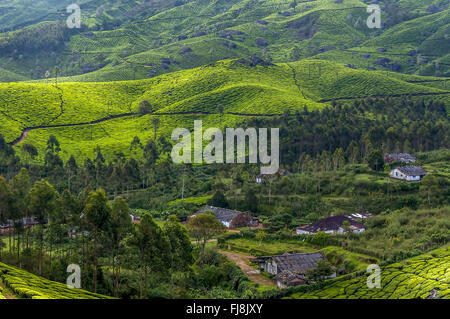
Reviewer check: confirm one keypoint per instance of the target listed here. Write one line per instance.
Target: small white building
(135, 219)
(408, 173)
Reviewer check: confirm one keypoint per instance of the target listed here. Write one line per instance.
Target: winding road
(26, 130)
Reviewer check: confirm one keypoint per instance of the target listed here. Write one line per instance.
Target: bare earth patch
(242, 261)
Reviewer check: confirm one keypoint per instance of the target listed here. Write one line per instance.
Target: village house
(75, 232)
(290, 269)
(264, 177)
(408, 173)
(27, 222)
(399, 157)
(5, 229)
(135, 219)
(335, 224)
(229, 218)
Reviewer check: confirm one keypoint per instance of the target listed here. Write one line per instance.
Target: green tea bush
(29, 286)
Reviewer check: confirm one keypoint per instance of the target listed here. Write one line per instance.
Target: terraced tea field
(411, 279)
(84, 115)
(25, 285)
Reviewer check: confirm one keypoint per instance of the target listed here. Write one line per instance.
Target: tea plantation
(411, 279)
(84, 115)
(25, 285)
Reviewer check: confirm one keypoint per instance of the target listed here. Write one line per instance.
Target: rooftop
(399, 157)
(412, 170)
(295, 263)
(336, 222)
(222, 214)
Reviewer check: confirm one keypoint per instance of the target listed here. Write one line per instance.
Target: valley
(90, 189)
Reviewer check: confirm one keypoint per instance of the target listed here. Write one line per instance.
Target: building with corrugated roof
(230, 218)
(408, 173)
(335, 224)
(290, 269)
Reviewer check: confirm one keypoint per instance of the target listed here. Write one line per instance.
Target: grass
(410, 279)
(28, 286)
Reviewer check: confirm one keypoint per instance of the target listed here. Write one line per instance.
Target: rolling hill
(135, 40)
(84, 115)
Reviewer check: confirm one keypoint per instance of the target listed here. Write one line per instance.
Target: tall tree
(6, 204)
(180, 243)
(203, 227)
(42, 204)
(20, 185)
(376, 160)
(429, 186)
(71, 170)
(57, 71)
(155, 123)
(97, 217)
(153, 247)
(30, 152)
(120, 227)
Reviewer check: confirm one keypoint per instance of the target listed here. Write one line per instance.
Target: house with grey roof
(408, 173)
(26, 222)
(267, 177)
(399, 157)
(335, 224)
(290, 269)
(229, 218)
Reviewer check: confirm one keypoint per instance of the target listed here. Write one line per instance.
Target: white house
(135, 219)
(408, 173)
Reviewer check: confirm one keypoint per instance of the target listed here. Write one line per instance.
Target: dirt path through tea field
(242, 261)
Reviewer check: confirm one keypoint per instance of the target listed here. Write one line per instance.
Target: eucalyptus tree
(20, 186)
(153, 248)
(97, 218)
(180, 243)
(5, 205)
(121, 226)
(42, 205)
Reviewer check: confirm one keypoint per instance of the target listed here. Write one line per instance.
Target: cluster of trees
(118, 175)
(116, 257)
(89, 230)
(359, 132)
